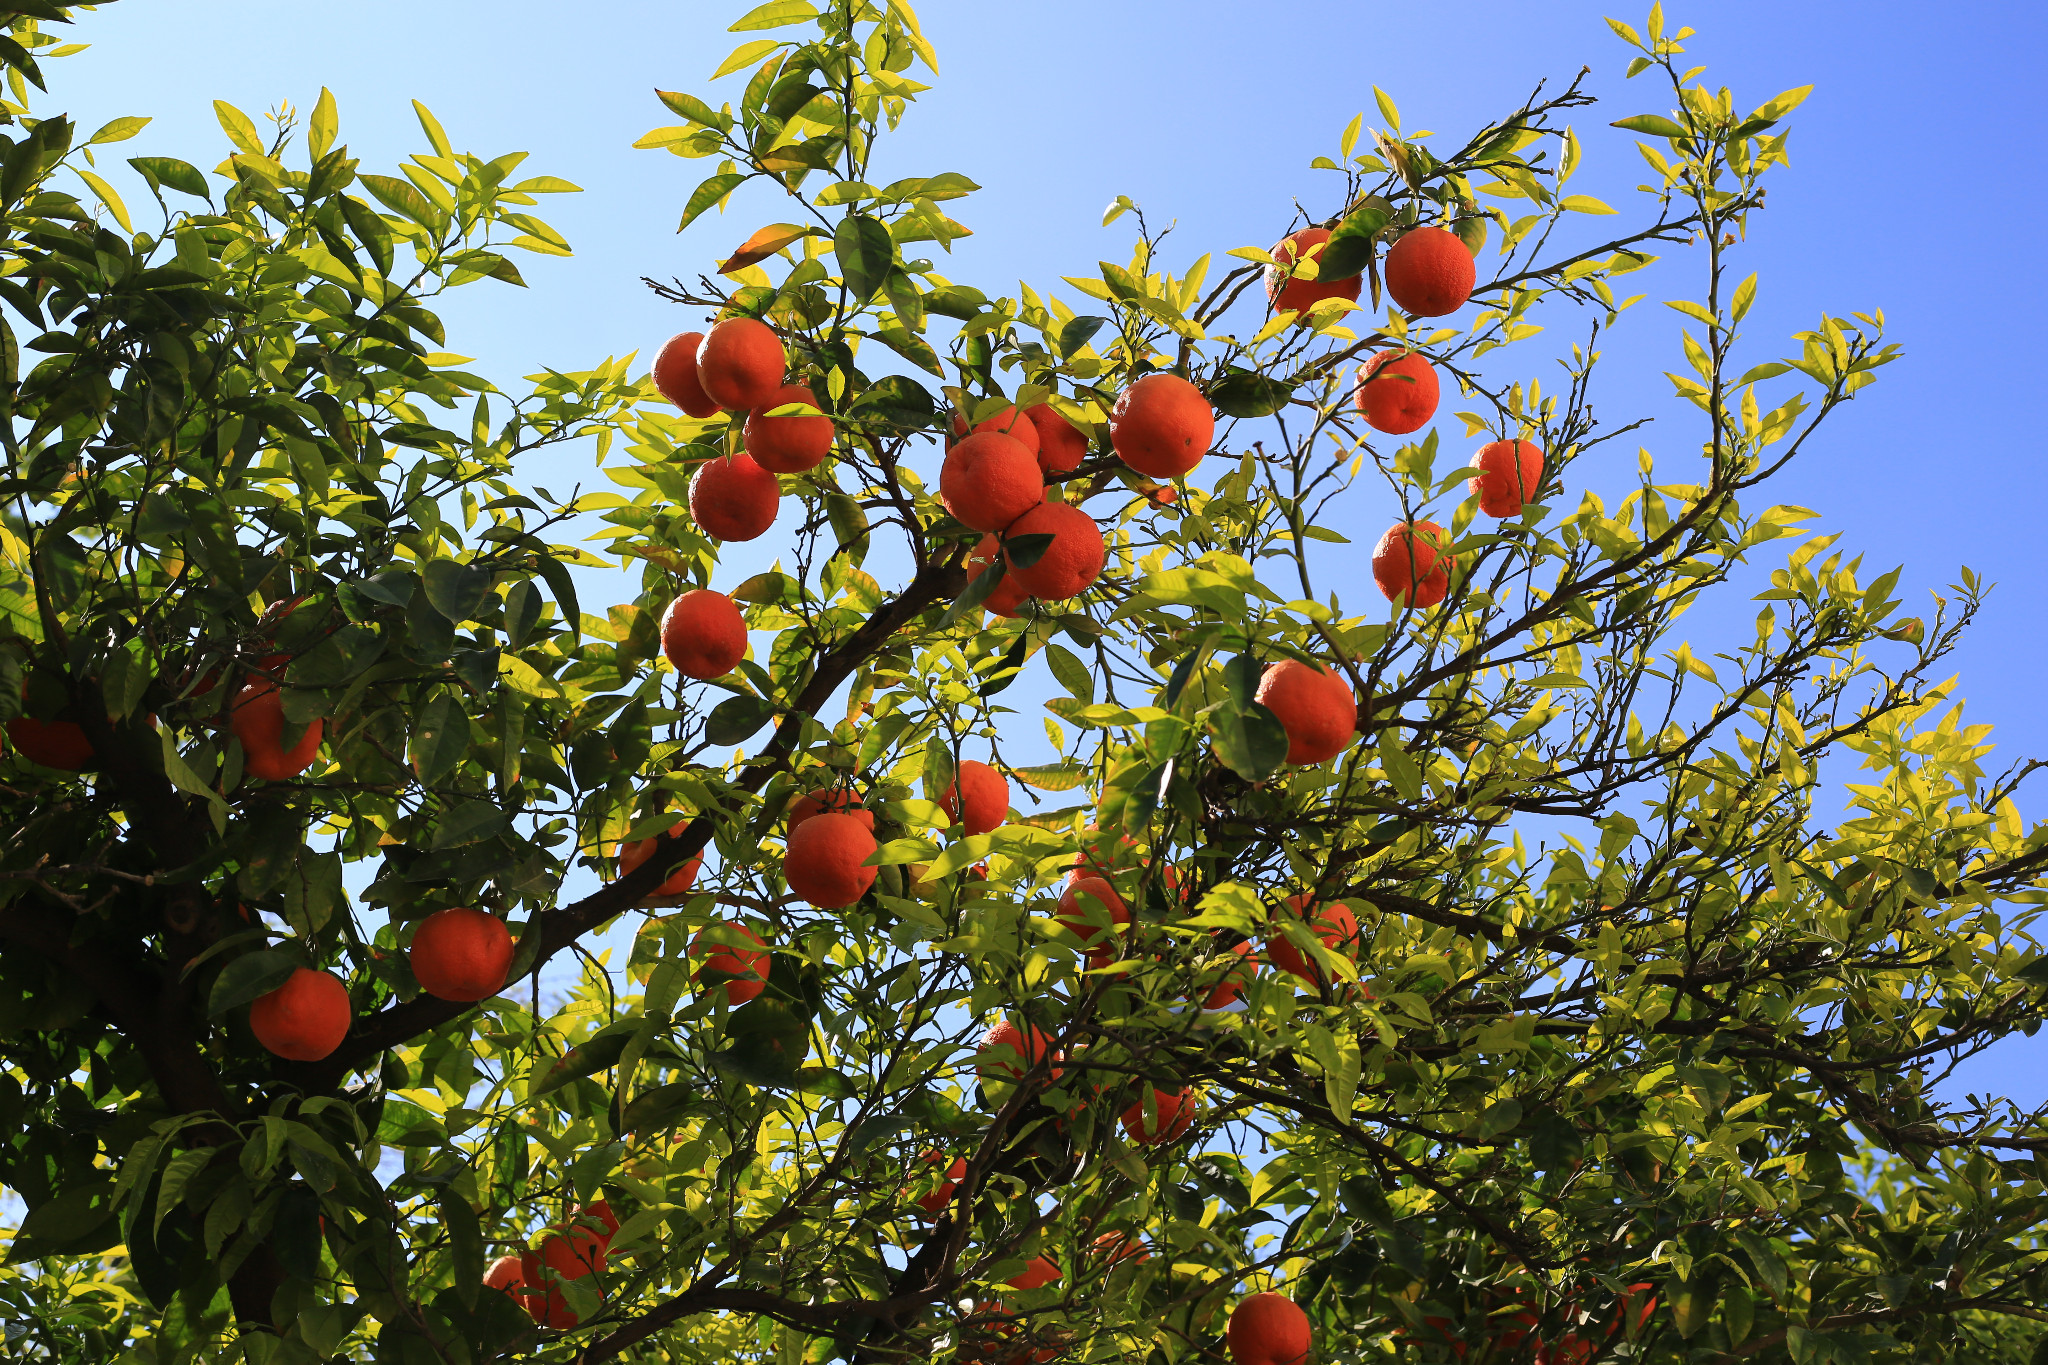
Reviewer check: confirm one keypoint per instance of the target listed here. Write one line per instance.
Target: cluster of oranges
(1429, 273)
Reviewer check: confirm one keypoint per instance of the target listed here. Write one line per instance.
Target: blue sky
(1915, 188)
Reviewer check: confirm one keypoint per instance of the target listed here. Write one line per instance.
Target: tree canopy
(1423, 932)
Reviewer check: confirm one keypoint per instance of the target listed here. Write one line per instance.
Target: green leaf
(661, 1107)
(1077, 331)
(1350, 246)
(465, 1242)
(961, 301)
(1026, 550)
(168, 170)
(65, 1221)
(912, 348)
(455, 589)
(247, 977)
(866, 253)
(402, 199)
(1052, 777)
(469, 823)
(440, 739)
(1244, 393)
(1656, 125)
(709, 192)
(736, 719)
(1071, 672)
(1249, 739)
(602, 1050)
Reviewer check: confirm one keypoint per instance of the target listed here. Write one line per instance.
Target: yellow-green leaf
(774, 14)
(241, 130)
(744, 56)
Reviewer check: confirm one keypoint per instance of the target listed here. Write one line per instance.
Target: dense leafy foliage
(1631, 1051)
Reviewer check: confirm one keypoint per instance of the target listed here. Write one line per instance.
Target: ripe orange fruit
(740, 363)
(1315, 708)
(1429, 272)
(942, 1194)
(1071, 564)
(52, 743)
(1116, 1246)
(1006, 1052)
(1039, 1270)
(703, 634)
(543, 1297)
(1015, 425)
(1335, 925)
(1510, 472)
(1410, 560)
(461, 954)
(1084, 906)
(1162, 426)
(679, 881)
(791, 444)
(1285, 292)
(823, 860)
(258, 721)
(979, 799)
(1176, 1114)
(505, 1274)
(1397, 392)
(1233, 978)
(1269, 1329)
(573, 1253)
(733, 498)
(989, 480)
(675, 374)
(841, 800)
(1061, 445)
(1006, 596)
(743, 970)
(304, 1019)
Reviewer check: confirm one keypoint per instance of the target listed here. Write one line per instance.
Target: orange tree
(1463, 957)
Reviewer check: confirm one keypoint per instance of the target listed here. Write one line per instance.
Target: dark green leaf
(898, 399)
(1242, 393)
(661, 1107)
(168, 170)
(456, 589)
(1077, 331)
(1006, 670)
(465, 1243)
(1351, 242)
(247, 977)
(440, 739)
(826, 1081)
(337, 659)
(586, 1059)
(1249, 739)
(736, 719)
(469, 823)
(1026, 550)
(866, 252)
(960, 301)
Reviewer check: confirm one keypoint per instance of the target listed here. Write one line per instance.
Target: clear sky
(1916, 187)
